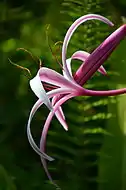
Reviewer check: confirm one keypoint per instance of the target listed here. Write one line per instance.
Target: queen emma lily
(63, 87)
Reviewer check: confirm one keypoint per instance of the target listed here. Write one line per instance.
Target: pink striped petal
(59, 114)
(54, 100)
(62, 121)
(100, 55)
(83, 55)
(45, 130)
(70, 32)
(52, 77)
(103, 93)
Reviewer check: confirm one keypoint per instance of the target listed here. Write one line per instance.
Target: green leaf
(6, 182)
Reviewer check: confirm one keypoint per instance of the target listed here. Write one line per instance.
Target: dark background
(92, 154)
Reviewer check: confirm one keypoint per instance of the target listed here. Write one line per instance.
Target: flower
(63, 87)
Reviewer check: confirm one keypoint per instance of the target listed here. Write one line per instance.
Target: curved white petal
(39, 91)
(81, 55)
(31, 141)
(68, 63)
(32, 113)
(70, 32)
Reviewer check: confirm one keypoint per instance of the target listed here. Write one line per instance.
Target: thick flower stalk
(54, 89)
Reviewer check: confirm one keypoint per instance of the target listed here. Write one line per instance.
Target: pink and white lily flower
(63, 87)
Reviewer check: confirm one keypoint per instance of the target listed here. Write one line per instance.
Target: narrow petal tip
(66, 128)
(102, 70)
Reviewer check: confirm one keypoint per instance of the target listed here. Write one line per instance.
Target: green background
(92, 154)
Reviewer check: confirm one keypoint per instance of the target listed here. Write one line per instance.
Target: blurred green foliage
(91, 155)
